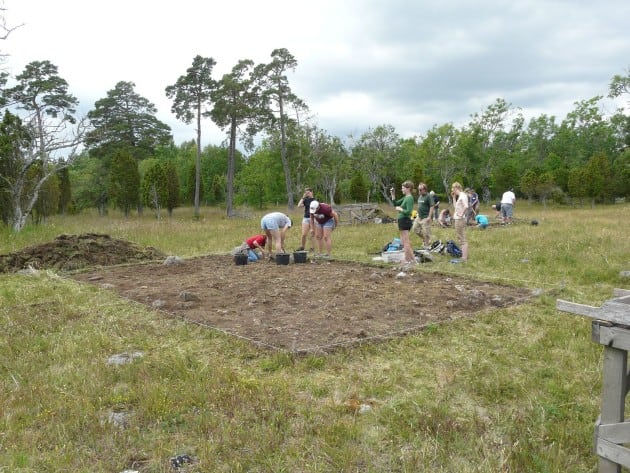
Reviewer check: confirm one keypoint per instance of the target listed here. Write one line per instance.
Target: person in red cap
(325, 220)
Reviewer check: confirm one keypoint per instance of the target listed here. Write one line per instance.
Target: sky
(411, 64)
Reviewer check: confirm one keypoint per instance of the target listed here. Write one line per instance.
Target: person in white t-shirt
(507, 205)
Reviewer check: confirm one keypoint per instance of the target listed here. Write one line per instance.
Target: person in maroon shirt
(325, 220)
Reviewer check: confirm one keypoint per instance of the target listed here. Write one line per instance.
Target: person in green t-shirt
(422, 223)
(404, 205)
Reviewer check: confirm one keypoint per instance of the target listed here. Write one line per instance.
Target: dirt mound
(71, 252)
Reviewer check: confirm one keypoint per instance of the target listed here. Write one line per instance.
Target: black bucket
(282, 258)
(240, 259)
(300, 256)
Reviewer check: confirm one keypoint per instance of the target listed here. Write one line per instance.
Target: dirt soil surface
(309, 307)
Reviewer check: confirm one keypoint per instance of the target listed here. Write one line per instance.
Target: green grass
(514, 390)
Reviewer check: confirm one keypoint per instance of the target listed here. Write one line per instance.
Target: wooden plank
(579, 309)
(622, 295)
(612, 336)
(614, 385)
(615, 433)
(612, 456)
(611, 310)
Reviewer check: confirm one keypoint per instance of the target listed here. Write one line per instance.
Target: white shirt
(508, 198)
(460, 206)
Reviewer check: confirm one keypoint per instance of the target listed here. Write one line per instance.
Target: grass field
(513, 390)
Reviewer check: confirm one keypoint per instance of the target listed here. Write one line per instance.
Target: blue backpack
(453, 249)
(394, 245)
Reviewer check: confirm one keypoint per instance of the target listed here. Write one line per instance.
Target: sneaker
(456, 261)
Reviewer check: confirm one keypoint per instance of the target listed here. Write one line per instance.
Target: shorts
(329, 224)
(405, 223)
(269, 223)
(306, 221)
(506, 210)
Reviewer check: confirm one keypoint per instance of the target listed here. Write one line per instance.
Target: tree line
(121, 156)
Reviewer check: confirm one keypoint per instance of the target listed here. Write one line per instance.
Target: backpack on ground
(394, 245)
(437, 247)
(453, 250)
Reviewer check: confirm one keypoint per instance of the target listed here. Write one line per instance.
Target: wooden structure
(357, 213)
(610, 328)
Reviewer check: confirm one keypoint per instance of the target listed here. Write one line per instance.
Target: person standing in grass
(422, 223)
(324, 219)
(404, 205)
(275, 225)
(507, 205)
(460, 200)
(307, 229)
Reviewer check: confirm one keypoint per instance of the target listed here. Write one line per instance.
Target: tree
(358, 187)
(329, 161)
(190, 94)
(578, 182)
(619, 85)
(236, 105)
(599, 177)
(124, 120)
(90, 180)
(124, 181)
(160, 186)
(620, 185)
(277, 97)
(65, 190)
(15, 140)
(489, 144)
(52, 130)
(438, 149)
(375, 154)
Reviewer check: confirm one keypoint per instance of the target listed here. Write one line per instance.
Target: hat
(314, 206)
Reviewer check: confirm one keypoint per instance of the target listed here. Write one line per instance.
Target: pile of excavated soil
(71, 252)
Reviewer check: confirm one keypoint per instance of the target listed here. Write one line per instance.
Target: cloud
(362, 63)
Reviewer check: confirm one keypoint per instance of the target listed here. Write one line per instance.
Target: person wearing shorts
(459, 217)
(275, 225)
(307, 229)
(404, 205)
(324, 219)
(507, 206)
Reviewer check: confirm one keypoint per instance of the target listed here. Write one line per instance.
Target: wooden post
(611, 328)
(612, 405)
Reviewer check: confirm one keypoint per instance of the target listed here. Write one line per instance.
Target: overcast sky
(361, 63)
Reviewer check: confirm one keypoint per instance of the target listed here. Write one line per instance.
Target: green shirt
(425, 202)
(406, 202)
